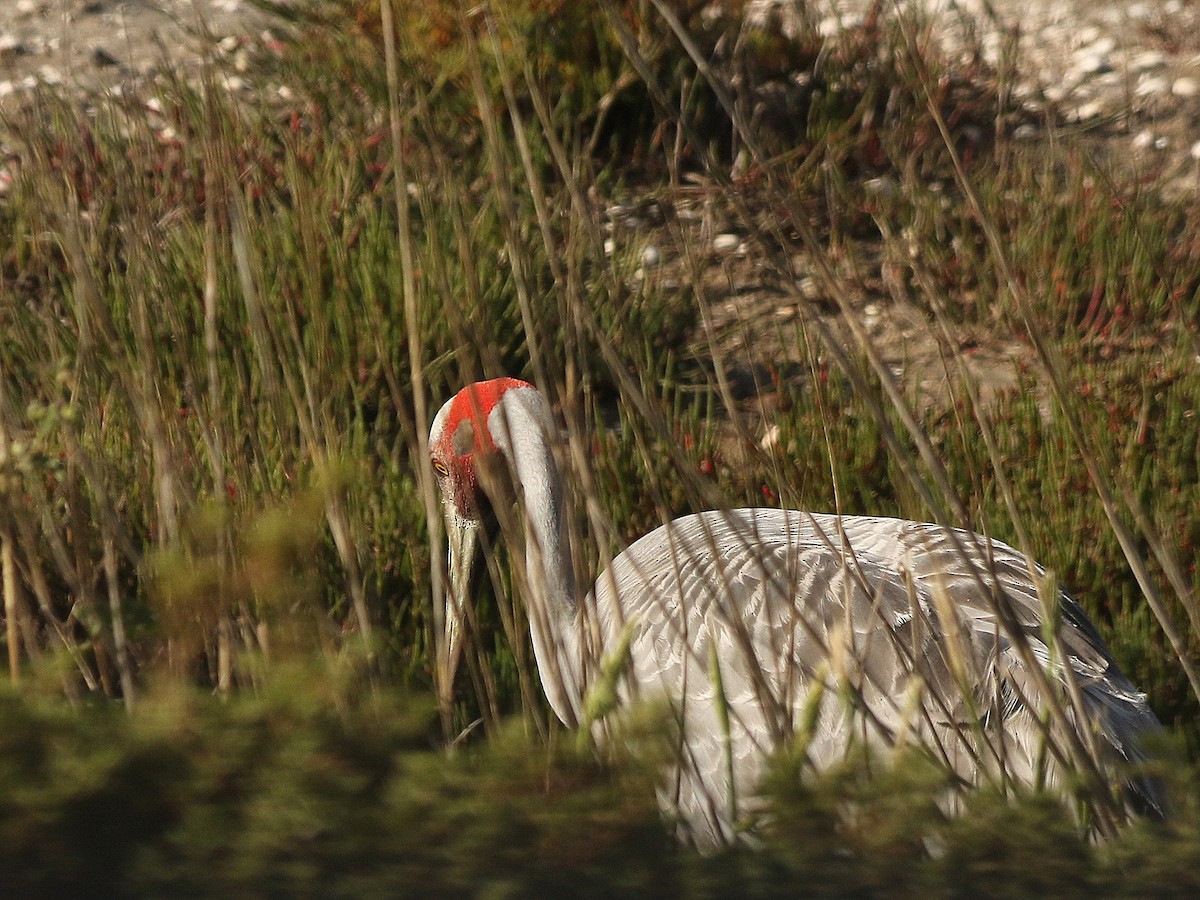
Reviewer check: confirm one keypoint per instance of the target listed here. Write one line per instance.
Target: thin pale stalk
(408, 284)
(120, 643)
(8, 568)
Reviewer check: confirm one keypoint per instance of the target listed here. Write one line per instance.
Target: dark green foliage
(324, 787)
(315, 789)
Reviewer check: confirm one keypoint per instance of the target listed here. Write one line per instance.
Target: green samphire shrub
(324, 786)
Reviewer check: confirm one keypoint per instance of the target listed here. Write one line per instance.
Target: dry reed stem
(433, 522)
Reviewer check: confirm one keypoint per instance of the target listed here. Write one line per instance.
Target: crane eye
(440, 468)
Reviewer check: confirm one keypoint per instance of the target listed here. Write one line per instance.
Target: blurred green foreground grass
(324, 787)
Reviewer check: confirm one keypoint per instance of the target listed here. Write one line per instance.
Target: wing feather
(867, 606)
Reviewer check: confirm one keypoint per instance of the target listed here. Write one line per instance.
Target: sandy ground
(100, 44)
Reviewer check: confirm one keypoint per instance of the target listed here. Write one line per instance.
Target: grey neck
(522, 435)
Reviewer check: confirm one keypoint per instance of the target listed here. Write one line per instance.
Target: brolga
(753, 623)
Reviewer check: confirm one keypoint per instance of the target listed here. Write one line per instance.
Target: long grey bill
(463, 539)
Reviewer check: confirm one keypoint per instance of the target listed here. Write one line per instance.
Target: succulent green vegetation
(219, 348)
(322, 787)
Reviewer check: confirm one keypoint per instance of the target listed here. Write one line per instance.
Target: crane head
(461, 443)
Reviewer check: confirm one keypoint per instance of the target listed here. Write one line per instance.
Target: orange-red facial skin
(470, 406)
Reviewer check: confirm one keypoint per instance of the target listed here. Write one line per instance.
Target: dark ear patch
(463, 441)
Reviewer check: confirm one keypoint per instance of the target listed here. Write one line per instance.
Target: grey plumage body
(914, 633)
(785, 600)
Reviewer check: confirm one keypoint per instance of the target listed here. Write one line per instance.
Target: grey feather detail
(782, 598)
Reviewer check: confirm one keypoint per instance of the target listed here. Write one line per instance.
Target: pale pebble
(1185, 87)
(1091, 64)
(1147, 140)
(1146, 60)
(726, 243)
(1100, 47)
(832, 25)
(1149, 87)
(1142, 140)
(771, 438)
(882, 186)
